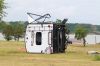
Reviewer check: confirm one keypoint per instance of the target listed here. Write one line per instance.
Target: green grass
(97, 57)
(13, 54)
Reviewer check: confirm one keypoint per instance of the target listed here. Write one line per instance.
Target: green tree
(2, 7)
(7, 32)
(81, 33)
(2, 25)
(58, 21)
(18, 30)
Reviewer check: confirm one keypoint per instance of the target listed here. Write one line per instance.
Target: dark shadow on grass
(15, 52)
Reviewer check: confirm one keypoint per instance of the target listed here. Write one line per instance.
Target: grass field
(13, 54)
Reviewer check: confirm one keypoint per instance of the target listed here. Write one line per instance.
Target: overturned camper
(45, 37)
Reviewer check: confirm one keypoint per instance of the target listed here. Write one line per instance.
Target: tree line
(12, 30)
(16, 29)
(91, 28)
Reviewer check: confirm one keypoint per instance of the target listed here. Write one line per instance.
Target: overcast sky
(77, 11)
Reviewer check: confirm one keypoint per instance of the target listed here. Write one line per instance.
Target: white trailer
(45, 37)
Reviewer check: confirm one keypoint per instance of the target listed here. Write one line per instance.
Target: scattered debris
(93, 52)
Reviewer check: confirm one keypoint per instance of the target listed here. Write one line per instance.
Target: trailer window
(38, 38)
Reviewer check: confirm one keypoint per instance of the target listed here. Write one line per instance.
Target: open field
(13, 54)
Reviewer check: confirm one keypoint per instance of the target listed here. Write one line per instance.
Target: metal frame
(45, 16)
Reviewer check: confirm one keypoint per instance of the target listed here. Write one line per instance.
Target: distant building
(1, 36)
(90, 39)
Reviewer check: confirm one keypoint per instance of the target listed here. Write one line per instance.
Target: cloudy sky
(77, 11)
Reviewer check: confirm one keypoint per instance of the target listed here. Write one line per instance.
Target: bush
(97, 57)
(8, 38)
(7, 32)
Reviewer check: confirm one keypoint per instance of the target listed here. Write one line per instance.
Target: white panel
(49, 38)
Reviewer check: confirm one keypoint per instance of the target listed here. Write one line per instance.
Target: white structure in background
(93, 39)
(90, 39)
(1, 36)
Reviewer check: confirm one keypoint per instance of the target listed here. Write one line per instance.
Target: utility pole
(95, 39)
